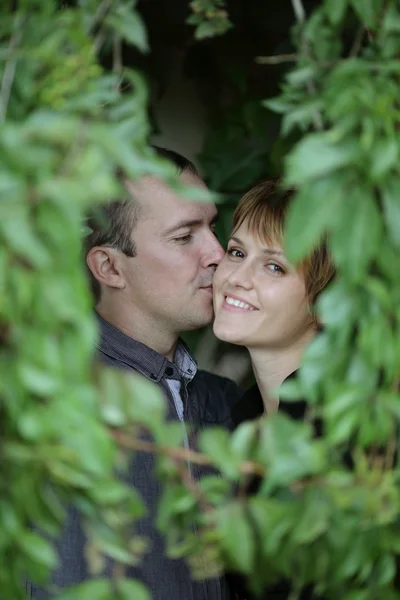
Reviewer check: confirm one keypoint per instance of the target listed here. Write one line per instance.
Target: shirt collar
(127, 351)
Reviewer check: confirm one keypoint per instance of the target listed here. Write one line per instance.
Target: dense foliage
(67, 122)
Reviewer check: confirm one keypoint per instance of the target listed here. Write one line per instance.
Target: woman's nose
(241, 276)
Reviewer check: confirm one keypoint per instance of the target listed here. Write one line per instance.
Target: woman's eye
(235, 253)
(275, 268)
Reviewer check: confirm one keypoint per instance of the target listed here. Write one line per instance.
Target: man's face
(169, 281)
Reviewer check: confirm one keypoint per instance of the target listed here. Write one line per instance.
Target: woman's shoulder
(251, 406)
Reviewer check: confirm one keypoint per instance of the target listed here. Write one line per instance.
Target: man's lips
(207, 288)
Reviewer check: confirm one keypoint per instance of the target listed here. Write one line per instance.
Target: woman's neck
(272, 366)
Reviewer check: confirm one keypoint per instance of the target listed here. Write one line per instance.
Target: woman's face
(260, 300)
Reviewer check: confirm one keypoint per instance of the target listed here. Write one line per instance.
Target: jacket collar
(129, 352)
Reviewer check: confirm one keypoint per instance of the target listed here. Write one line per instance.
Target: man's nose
(215, 252)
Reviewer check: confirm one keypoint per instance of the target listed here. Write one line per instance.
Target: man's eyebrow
(268, 251)
(190, 223)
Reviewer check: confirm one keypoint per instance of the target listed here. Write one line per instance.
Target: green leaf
(339, 304)
(16, 227)
(316, 361)
(215, 488)
(356, 232)
(38, 381)
(313, 211)
(128, 23)
(274, 519)
(318, 155)
(336, 10)
(369, 11)
(313, 516)
(38, 549)
(278, 105)
(129, 589)
(342, 429)
(344, 400)
(131, 396)
(385, 158)
(299, 77)
(287, 449)
(244, 440)
(301, 117)
(236, 536)
(98, 589)
(391, 208)
(106, 492)
(215, 442)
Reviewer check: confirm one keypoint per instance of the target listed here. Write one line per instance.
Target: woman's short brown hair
(264, 209)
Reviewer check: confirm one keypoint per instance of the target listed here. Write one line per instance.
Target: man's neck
(272, 366)
(145, 333)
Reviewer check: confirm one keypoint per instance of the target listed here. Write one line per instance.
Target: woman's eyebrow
(268, 251)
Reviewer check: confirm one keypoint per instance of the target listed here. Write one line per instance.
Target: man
(152, 268)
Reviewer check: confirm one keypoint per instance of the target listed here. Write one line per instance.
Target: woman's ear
(105, 265)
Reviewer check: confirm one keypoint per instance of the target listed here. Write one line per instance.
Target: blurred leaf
(336, 9)
(16, 227)
(99, 589)
(237, 536)
(287, 449)
(313, 212)
(38, 549)
(215, 442)
(313, 517)
(385, 158)
(318, 155)
(369, 11)
(356, 235)
(391, 207)
(244, 440)
(128, 23)
(128, 589)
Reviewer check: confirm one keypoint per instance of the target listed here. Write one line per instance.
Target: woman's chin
(227, 334)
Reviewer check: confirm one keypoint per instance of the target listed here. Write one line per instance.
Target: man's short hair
(112, 223)
(264, 210)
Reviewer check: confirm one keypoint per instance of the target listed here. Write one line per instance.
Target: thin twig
(117, 54)
(99, 40)
(193, 487)
(300, 13)
(99, 17)
(299, 10)
(390, 456)
(355, 49)
(101, 11)
(9, 69)
(276, 60)
(133, 443)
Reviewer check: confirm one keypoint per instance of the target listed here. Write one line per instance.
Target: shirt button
(169, 371)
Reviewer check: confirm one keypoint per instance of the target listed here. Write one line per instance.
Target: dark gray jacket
(207, 400)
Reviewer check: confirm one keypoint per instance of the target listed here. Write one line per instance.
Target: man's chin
(199, 321)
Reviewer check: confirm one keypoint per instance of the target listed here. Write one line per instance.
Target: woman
(264, 303)
(261, 301)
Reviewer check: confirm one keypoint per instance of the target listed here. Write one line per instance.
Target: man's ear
(105, 265)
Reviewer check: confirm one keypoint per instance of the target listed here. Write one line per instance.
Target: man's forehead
(157, 198)
(149, 186)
